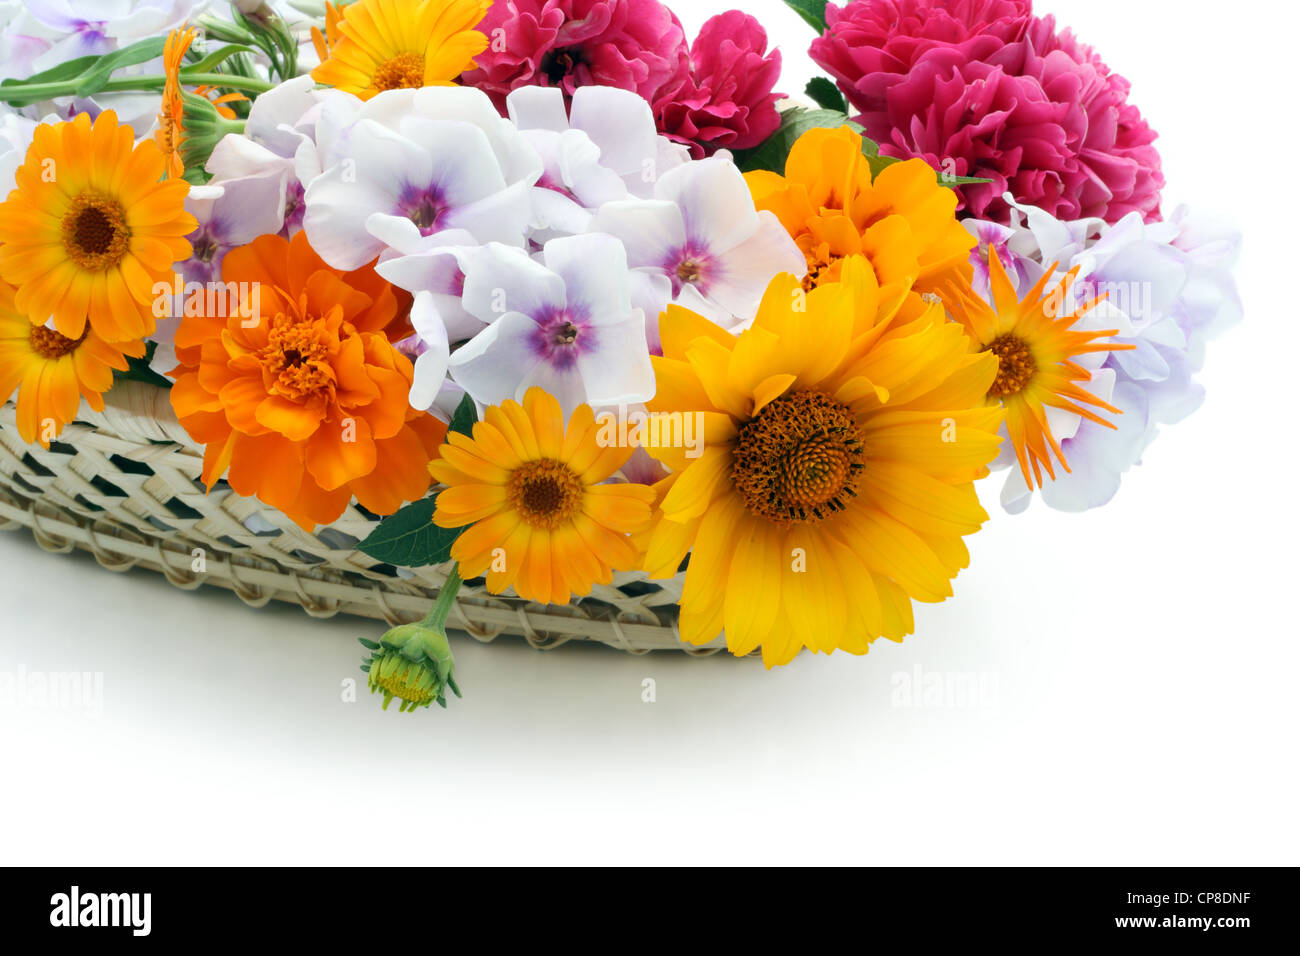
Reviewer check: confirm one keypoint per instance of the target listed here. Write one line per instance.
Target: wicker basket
(124, 485)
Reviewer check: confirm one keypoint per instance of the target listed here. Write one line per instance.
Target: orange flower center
(1016, 365)
(545, 492)
(49, 344)
(296, 359)
(798, 460)
(403, 72)
(95, 233)
(822, 265)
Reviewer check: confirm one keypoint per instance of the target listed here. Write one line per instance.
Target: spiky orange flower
(841, 443)
(1036, 344)
(91, 228)
(377, 45)
(51, 372)
(541, 519)
(170, 134)
(902, 220)
(296, 390)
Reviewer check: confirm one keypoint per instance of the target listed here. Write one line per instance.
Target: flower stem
(31, 92)
(437, 616)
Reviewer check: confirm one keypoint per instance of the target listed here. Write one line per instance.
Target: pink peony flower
(725, 99)
(983, 88)
(634, 45)
(870, 45)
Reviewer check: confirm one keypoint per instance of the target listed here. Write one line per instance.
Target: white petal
(745, 272)
(500, 280)
(618, 372)
(537, 107)
(620, 123)
(594, 270)
(716, 205)
(651, 230)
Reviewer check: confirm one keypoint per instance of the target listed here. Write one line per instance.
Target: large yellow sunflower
(541, 520)
(377, 45)
(1036, 345)
(51, 372)
(902, 220)
(835, 483)
(91, 228)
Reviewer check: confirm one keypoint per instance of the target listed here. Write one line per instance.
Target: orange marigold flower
(51, 372)
(531, 490)
(91, 228)
(297, 392)
(902, 220)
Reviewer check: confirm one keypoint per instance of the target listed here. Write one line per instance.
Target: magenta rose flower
(982, 88)
(725, 98)
(634, 45)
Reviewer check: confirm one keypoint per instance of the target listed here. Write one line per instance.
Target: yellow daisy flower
(836, 480)
(377, 45)
(91, 228)
(530, 489)
(1036, 347)
(51, 372)
(902, 220)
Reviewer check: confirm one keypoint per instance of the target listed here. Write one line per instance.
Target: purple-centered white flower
(701, 232)
(566, 324)
(407, 164)
(74, 28)
(281, 125)
(1168, 287)
(604, 147)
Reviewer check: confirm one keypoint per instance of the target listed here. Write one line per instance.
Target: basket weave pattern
(124, 485)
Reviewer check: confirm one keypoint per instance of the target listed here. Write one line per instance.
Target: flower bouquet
(537, 317)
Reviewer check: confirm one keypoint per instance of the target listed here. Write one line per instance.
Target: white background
(1140, 660)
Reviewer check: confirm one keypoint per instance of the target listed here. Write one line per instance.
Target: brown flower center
(689, 270)
(1016, 365)
(798, 460)
(49, 344)
(95, 234)
(403, 72)
(545, 492)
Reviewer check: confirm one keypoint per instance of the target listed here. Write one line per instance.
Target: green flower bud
(204, 128)
(413, 662)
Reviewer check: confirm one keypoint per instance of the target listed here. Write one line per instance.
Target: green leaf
(812, 11)
(826, 94)
(64, 71)
(140, 52)
(410, 539)
(138, 370)
(772, 152)
(464, 418)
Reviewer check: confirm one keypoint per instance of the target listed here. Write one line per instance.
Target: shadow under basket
(124, 485)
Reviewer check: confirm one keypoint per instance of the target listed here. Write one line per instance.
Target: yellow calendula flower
(1037, 346)
(376, 45)
(835, 483)
(901, 220)
(52, 373)
(91, 228)
(541, 521)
